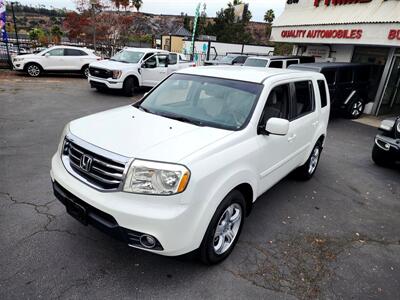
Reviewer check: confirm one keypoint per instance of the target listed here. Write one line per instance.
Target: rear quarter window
(322, 92)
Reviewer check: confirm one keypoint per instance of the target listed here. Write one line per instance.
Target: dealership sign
(339, 2)
(322, 33)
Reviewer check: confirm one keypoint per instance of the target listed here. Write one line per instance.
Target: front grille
(101, 73)
(101, 172)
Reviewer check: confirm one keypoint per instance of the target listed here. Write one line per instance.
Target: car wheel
(224, 229)
(380, 157)
(355, 109)
(85, 71)
(129, 87)
(306, 171)
(33, 70)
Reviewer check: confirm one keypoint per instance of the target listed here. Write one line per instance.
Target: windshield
(127, 56)
(228, 59)
(204, 101)
(255, 62)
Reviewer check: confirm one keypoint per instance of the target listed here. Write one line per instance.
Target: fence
(26, 46)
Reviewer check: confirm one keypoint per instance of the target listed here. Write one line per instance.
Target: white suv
(180, 169)
(56, 59)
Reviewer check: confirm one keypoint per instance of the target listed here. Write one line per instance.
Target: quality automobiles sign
(339, 2)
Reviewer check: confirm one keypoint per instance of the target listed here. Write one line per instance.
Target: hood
(131, 132)
(26, 56)
(112, 65)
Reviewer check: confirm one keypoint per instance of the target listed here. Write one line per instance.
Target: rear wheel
(380, 157)
(33, 70)
(224, 229)
(355, 109)
(306, 171)
(129, 87)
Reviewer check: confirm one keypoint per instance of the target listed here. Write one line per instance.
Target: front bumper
(105, 83)
(390, 145)
(175, 223)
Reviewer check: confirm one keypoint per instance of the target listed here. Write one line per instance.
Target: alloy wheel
(313, 160)
(227, 228)
(357, 108)
(33, 70)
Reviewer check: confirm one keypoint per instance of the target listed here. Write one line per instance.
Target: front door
(154, 69)
(391, 97)
(53, 60)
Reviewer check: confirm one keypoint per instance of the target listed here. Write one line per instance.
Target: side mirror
(47, 55)
(277, 126)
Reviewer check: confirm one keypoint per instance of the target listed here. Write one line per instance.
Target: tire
(129, 87)
(380, 157)
(229, 220)
(306, 171)
(355, 109)
(85, 71)
(33, 70)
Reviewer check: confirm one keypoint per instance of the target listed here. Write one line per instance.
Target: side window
(74, 52)
(291, 62)
(278, 64)
(330, 76)
(173, 59)
(361, 74)
(304, 99)
(56, 52)
(151, 62)
(277, 105)
(345, 75)
(162, 60)
(147, 55)
(322, 92)
(241, 59)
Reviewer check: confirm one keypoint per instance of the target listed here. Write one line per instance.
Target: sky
(175, 7)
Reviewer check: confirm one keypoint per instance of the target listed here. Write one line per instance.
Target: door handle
(292, 137)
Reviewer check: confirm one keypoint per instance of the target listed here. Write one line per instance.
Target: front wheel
(306, 171)
(129, 87)
(224, 229)
(33, 70)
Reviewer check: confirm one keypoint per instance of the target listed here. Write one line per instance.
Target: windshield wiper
(182, 119)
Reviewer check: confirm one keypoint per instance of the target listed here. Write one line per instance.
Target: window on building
(303, 100)
(322, 92)
(278, 64)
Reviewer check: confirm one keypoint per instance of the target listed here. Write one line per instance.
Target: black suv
(386, 149)
(348, 83)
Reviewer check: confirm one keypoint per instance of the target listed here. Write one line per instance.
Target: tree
(137, 4)
(227, 28)
(269, 16)
(38, 35)
(56, 34)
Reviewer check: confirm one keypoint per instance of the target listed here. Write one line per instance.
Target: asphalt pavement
(336, 236)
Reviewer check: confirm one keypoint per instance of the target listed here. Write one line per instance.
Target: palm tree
(269, 16)
(137, 4)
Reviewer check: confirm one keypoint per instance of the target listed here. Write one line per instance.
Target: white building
(365, 31)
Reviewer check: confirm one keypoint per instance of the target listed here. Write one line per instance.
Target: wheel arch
(247, 191)
(32, 63)
(135, 78)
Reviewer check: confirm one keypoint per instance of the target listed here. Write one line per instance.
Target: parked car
(386, 150)
(230, 59)
(180, 169)
(349, 85)
(56, 59)
(132, 68)
(280, 62)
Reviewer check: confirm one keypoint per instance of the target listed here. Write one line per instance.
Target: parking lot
(335, 236)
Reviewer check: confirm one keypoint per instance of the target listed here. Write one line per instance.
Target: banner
(196, 17)
(3, 20)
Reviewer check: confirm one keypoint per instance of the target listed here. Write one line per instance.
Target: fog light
(147, 241)
(66, 147)
(387, 146)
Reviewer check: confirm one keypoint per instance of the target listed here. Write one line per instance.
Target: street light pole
(15, 26)
(93, 3)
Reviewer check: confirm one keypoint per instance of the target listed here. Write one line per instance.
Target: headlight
(18, 59)
(64, 133)
(148, 177)
(116, 74)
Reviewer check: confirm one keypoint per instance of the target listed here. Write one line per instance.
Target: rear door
(74, 58)
(344, 86)
(303, 120)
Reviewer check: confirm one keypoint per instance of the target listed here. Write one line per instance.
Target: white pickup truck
(132, 68)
